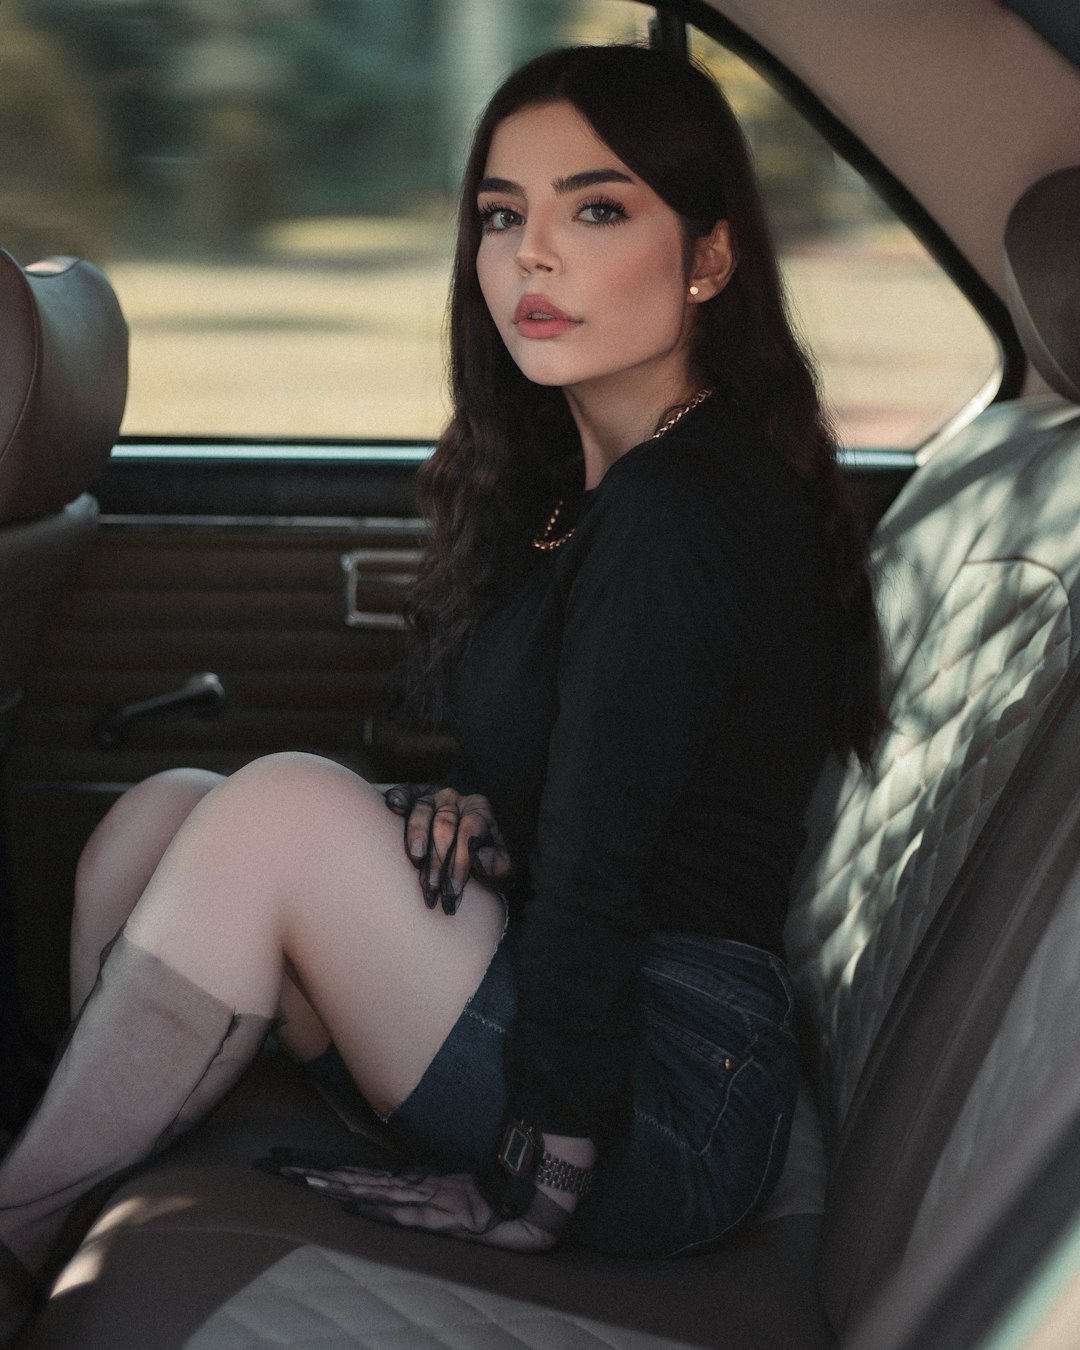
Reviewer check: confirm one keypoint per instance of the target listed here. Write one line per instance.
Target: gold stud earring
(693, 290)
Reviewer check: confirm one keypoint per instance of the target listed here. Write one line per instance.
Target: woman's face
(582, 265)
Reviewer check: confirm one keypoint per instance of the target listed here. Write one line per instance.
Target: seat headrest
(63, 382)
(1042, 276)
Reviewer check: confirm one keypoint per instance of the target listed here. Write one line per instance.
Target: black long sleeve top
(647, 709)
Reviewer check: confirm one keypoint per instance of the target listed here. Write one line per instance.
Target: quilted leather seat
(934, 939)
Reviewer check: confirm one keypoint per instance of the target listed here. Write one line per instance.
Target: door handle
(202, 695)
(369, 566)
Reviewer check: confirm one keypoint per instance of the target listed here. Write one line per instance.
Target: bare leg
(119, 859)
(115, 868)
(296, 860)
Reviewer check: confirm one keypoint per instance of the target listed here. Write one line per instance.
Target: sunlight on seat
(85, 1265)
(140, 1210)
(83, 1268)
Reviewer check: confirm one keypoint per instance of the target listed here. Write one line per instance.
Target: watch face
(517, 1149)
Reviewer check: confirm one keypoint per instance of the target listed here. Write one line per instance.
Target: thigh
(456, 1112)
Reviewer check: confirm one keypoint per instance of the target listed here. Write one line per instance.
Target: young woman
(645, 615)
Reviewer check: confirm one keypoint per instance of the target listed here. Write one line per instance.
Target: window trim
(385, 454)
(223, 450)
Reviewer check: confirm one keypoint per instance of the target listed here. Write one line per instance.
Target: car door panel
(262, 602)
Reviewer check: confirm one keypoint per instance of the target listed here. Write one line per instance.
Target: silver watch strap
(561, 1175)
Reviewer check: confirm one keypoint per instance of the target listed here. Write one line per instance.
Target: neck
(613, 421)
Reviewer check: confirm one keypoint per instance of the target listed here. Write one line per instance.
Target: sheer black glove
(449, 836)
(424, 1197)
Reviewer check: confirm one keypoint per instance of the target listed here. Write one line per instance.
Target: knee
(294, 788)
(174, 791)
(172, 794)
(143, 819)
(297, 773)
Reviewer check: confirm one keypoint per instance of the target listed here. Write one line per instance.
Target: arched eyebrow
(575, 182)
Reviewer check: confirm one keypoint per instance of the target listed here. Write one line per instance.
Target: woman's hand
(440, 1202)
(448, 838)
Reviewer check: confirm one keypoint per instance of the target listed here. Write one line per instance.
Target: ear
(713, 263)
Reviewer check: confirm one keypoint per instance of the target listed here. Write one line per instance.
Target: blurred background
(270, 186)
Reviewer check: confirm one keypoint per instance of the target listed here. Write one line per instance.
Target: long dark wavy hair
(511, 446)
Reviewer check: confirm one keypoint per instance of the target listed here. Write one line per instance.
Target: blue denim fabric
(714, 1087)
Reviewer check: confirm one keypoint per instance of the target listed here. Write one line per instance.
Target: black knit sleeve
(654, 626)
(462, 776)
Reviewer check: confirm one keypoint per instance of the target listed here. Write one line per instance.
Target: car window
(269, 184)
(899, 348)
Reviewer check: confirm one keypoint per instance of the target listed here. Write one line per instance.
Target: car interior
(221, 290)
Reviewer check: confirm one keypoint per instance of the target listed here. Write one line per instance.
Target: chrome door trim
(353, 565)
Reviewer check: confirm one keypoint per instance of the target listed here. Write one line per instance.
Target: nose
(536, 250)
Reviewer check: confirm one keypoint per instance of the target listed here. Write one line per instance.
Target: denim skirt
(714, 1084)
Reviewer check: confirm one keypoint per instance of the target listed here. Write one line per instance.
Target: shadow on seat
(63, 384)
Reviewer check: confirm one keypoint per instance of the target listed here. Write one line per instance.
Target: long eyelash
(492, 209)
(606, 204)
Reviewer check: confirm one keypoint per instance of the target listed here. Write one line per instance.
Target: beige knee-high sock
(148, 1056)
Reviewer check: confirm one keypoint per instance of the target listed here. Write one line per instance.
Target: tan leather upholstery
(36, 557)
(63, 382)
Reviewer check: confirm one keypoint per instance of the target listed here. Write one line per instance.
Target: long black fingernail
(450, 899)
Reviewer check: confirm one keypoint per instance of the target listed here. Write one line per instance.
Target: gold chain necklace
(544, 541)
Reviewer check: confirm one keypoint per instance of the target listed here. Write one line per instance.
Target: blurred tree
(221, 117)
(58, 173)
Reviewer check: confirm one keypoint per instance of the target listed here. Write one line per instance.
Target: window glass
(899, 349)
(270, 185)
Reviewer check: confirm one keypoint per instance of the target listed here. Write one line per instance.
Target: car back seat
(960, 860)
(934, 917)
(973, 1084)
(978, 571)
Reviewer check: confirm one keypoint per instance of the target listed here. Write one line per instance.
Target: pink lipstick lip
(538, 305)
(536, 317)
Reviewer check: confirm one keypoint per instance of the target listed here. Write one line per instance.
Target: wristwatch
(522, 1158)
